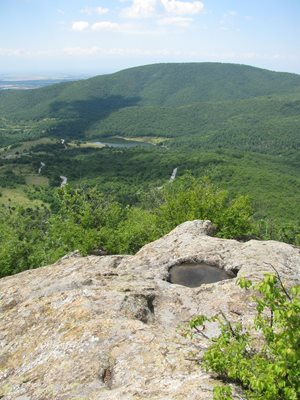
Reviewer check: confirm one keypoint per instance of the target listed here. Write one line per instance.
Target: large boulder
(109, 327)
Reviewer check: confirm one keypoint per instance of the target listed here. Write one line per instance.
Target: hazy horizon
(71, 74)
(92, 37)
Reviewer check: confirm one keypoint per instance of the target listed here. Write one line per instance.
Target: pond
(194, 275)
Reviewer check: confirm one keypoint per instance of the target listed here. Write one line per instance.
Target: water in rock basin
(193, 275)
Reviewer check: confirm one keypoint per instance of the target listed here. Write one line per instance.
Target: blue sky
(100, 36)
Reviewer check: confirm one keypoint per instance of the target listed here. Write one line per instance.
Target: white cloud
(110, 26)
(107, 26)
(99, 51)
(185, 55)
(13, 52)
(129, 29)
(159, 8)
(140, 9)
(182, 7)
(79, 51)
(181, 22)
(176, 13)
(97, 10)
(80, 26)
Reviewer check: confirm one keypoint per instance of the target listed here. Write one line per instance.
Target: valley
(122, 135)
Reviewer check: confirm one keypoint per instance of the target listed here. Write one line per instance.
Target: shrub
(267, 368)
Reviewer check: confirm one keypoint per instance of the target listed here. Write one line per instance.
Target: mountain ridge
(170, 84)
(238, 105)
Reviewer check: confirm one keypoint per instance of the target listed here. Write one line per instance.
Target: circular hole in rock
(193, 275)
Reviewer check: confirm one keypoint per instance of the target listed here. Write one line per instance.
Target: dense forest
(231, 130)
(206, 105)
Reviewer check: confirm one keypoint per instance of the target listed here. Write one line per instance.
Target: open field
(17, 196)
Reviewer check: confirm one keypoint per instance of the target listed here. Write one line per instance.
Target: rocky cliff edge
(94, 328)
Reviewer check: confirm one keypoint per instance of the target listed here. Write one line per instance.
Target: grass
(144, 139)
(36, 180)
(17, 196)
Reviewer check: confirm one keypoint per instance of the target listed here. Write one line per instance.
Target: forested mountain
(163, 84)
(205, 104)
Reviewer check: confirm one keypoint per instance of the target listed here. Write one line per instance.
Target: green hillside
(199, 104)
(265, 124)
(159, 84)
(231, 130)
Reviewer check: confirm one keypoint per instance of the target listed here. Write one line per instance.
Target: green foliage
(30, 238)
(222, 393)
(284, 232)
(10, 180)
(265, 364)
(272, 182)
(188, 198)
(86, 219)
(138, 228)
(20, 234)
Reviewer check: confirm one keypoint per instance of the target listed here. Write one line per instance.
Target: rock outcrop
(107, 327)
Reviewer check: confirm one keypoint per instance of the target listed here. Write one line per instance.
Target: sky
(102, 36)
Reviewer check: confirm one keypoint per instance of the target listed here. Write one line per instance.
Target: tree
(189, 198)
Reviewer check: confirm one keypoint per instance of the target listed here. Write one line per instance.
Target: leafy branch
(265, 365)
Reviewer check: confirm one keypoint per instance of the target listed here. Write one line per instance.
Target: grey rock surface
(109, 327)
